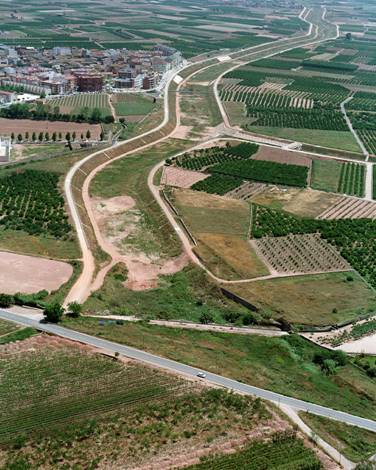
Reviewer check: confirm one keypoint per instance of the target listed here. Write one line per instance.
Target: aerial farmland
(187, 235)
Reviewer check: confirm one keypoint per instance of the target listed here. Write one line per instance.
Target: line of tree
(43, 112)
(54, 137)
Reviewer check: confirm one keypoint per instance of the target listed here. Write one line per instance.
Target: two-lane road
(180, 368)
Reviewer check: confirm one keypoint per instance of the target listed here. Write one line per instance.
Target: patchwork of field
(338, 177)
(193, 28)
(220, 228)
(77, 396)
(299, 254)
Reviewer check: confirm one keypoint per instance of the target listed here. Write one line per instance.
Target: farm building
(5, 146)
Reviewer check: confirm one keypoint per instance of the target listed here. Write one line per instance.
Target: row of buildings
(64, 70)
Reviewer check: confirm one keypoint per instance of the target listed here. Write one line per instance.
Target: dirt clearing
(282, 156)
(181, 178)
(20, 126)
(28, 274)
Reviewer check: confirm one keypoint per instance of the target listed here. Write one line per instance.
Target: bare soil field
(282, 156)
(29, 274)
(180, 178)
(350, 208)
(303, 202)
(123, 235)
(20, 126)
(304, 254)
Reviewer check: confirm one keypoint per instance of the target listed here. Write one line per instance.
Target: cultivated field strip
(75, 103)
(43, 391)
(246, 191)
(180, 178)
(304, 254)
(350, 208)
(351, 180)
(266, 95)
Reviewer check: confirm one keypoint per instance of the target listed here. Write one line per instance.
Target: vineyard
(264, 171)
(217, 184)
(362, 102)
(283, 451)
(30, 201)
(314, 118)
(368, 136)
(43, 391)
(300, 254)
(365, 125)
(350, 208)
(351, 181)
(266, 97)
(355, 239)
(203, 158)
(74, 104)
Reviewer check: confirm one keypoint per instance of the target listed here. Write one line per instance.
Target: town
(27, 73)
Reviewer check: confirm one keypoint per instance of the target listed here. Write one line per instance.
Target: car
(201, 375)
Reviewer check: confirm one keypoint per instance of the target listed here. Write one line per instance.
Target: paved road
(192, 371)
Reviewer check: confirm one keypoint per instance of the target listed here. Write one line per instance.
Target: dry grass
(321, 299)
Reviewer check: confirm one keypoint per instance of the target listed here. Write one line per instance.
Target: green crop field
(59, 401)
(338, 177)
(132, 104)
(271, 455)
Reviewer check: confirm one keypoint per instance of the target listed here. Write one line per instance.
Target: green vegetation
(61, 403)
(323, 138)
(338, 177)
(186, 295)
(355, 443)
(296, 299)
(7, 327)
(326, 175)
(217, 184)
(283, 364)
(18, 335)
(31, 201)
(128, 104)
(203, 158)
(355, 239)
(270, 455)
(265, 171)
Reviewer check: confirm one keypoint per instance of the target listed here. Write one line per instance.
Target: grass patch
(284, 365)
(321, 299)
(185, 295)
(355, 443)
(128, 104)
(326, 175)
(220, 227)
(19, 335)
(7, 327)
(323, 138)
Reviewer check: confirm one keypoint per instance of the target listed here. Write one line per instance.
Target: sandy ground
(180, 178)
(120, 221)
(366, 345)
(29, 274)
(17, 126)
(282, 156)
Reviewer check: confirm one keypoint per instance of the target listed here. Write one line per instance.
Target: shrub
(53, 312)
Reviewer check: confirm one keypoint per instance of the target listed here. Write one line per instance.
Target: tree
(12, 136)
(60, 135)
(19, 137)
(54, 136)
(34, 137)
(88, 134)
(6, 300)
(40, 137)
(206, 317)
(26, 136)
(82, 136)
(46, 136)
(68, 136)
(74, 136)
(53, 312)
(74, 309)
(101, 135)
